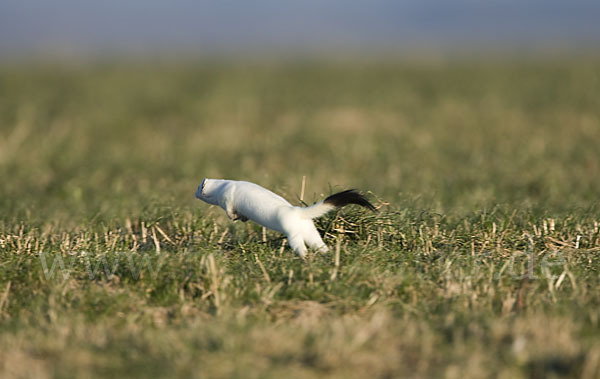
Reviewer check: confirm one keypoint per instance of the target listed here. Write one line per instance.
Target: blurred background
(110, 108)
(68, 29)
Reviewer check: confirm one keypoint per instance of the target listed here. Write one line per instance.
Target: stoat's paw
(234, 215)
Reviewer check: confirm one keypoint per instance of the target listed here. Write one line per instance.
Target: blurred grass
(482, 262)
(458, 136)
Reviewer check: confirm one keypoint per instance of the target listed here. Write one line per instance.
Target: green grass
(482, 262)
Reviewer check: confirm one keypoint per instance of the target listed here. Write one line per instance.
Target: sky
(212, 27)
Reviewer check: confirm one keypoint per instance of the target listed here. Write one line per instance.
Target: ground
(483, 259)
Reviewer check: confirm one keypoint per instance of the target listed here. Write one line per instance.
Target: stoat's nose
(200, 190)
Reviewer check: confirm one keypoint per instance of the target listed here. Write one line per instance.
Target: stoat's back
(260, 205)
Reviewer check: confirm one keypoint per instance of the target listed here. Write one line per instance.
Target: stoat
(248, 201)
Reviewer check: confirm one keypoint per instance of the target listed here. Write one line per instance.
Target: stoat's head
(209, 190)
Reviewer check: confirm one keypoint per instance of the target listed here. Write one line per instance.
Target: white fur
(245, 200)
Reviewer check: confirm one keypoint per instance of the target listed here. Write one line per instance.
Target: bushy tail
(337, 200)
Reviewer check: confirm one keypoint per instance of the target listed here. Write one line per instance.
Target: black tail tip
(350, 196)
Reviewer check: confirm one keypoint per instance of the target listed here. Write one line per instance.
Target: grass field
(483, 260)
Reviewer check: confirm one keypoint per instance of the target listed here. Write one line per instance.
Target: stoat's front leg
(231, 213)
(228, 206)
(234, 215)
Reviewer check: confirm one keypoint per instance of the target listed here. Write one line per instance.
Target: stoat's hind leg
(313, 239)
(297, 244)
